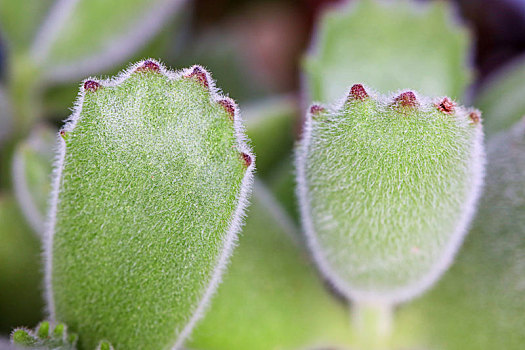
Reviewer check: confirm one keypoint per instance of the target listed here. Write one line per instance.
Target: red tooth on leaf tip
(446, 105)
(228, 106)
(148, 65)
(247, 159)
(62, 133)
(407, 99)
(316, 109)
(91, 85)
(200, 75)
(358, 92)
(475, 116)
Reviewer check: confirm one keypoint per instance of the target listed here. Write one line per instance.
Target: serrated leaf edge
(478, 160)
(236, 221)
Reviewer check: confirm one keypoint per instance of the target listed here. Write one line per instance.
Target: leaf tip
(474, 116)
(21, 336)
(316, 109)
(229, 107)
(358, 92)
(446, 105)
(247, 159)
(91, 85)
(406, 99)
(148, 66)
(199, 74)
(43, 330)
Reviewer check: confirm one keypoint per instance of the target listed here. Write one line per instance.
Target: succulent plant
(387, 189)
(153, 171)
(149, 192)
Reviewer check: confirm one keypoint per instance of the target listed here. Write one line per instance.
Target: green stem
(372, 323)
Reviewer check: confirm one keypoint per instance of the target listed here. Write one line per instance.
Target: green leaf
(31, 173)
(501, 98)
(389, 46)
(152, 180)
(20, 269)
(43, 339)
(19, 21)
(271, 296)
(82, 36)
(387, 188)
(270, 124)
(479, 303)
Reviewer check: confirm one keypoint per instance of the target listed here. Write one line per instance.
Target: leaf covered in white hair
(387, 188)
(150, 188)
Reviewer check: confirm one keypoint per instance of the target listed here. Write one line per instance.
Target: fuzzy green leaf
(82, 36)
(479, 303)
(31, 173)
(501, 98)
(387, 188)
(271, 297)
(389, 46)
(150, 187)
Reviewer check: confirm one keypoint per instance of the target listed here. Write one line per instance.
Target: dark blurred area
(279, 31)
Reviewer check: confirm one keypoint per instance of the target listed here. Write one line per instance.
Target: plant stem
(372, 324)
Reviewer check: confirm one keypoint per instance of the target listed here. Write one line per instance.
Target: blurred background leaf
(388, 46)
(501, 98)
(31, 171)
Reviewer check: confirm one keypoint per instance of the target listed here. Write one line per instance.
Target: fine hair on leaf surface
(387, 187)
(152, 179)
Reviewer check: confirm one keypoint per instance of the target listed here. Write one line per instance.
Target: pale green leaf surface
(390, 46)
(82, 36)
(31, 170)
(270, 125)
(271, 297)
(20, 269)
(501, 98)
(386, 193)
(479, 304)
(151, 185)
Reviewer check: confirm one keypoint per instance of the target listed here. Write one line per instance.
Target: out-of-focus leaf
(271, 296)
(20, 20)
(281, 181)
(218, 53)
(79, 37)
(502, 98)
(270, 124)
(480, 303)
(20, 270)
(31, 171)
(388, 46)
